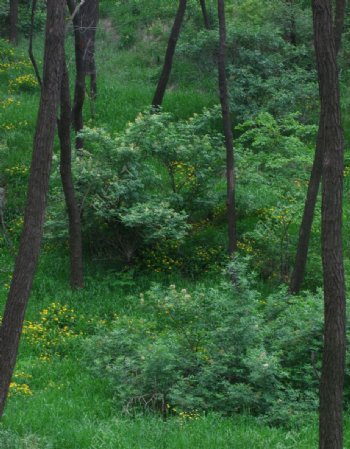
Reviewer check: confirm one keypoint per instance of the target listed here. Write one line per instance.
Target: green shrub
(265, 73)
(129, 205)
(212, 349)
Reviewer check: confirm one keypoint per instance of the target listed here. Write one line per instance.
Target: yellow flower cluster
(4, 104)
(186, 416)
(346, 171)
(245, 246)
(20, 386)
(23, 82)
(13, 126)
(53, 331)
(162, 259)
(185, 174)
(17, 170)
(19, 389)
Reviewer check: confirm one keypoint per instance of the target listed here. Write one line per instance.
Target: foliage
(265, 73)
(274, 157)
(212, 349)
(136, 203)
(24, 16)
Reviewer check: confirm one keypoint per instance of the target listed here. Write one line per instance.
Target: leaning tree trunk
(315, 178)
(169, 55)
(205, 15)
(13, 22)
(75, 240)
(226, 117)
(333, 366)
(85, 18)
(31, 237)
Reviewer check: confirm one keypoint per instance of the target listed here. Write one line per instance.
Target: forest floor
(55, 401)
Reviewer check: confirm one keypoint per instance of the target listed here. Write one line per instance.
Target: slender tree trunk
(315, 178)
(79, 89)
(13, 21)
(29, 249)
(169, 55)
(332, 377)
(308, 215)
(205, 15)
(226, 117)
(75, 240)
(85, 20)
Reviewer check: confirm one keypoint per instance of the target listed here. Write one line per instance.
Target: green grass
(70, 408)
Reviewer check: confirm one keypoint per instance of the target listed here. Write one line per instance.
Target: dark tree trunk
(13, 21)
(169, 55)
(226, 117)
(29, 249)
(308, 215)
(333, 366)
(75, 240)
(85, 20)
(205, 15)
(315, 178)
(339, 23)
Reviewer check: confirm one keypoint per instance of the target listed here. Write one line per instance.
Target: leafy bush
(274, 157)
(265, 73)
(215, 349)
(128, 204)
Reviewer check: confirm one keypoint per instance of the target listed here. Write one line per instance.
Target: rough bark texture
(85, 20)
(27, 258)
(75, 240)
(205, 15)
(332, 377)
(226, 116)
(169, 55)
(315, 178)
(13, 21)
(339, 23)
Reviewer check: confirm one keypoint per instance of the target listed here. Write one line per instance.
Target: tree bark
(315, 178)
(169, 55)
(31, 237)
(226, 117)
(85, 21)
(75, 239)
(339, 23)
(13, 22)
(205, 15)
(333, 366)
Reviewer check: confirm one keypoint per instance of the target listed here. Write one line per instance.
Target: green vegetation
(160, 350)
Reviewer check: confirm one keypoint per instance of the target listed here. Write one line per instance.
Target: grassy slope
(69, 408)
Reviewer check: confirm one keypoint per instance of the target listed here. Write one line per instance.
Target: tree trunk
(205, 15)
(13, 22)
(308, 215)
(169, 55)
(75, 240)
(29, 249)
(315, 178)
(332, 377)
(339, 23)
(85, 21)
(226, 117)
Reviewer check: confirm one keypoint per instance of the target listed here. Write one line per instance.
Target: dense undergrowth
(159, 349)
